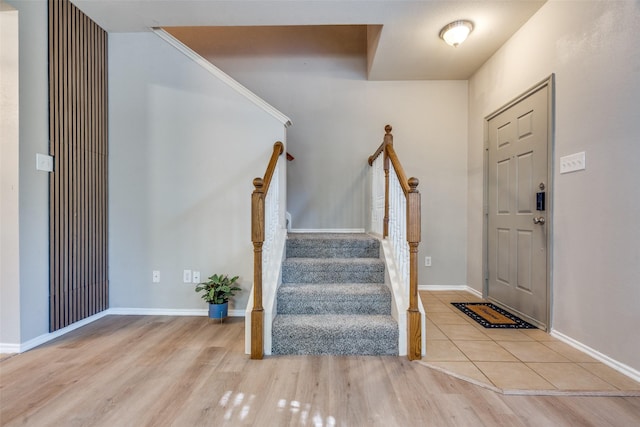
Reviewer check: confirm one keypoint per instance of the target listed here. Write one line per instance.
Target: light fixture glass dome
(456, 32)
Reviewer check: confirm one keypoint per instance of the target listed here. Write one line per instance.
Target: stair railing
(395, 214)
(265, 220)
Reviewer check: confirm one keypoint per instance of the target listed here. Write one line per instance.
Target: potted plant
(216, 291)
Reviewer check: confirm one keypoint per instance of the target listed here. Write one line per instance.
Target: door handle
(538, 220)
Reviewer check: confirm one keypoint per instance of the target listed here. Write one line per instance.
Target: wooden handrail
(412, 195)
(257, 237)
(402, 177)
(278, 148)
(388, 138)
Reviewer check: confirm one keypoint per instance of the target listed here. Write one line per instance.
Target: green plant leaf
(218, 288)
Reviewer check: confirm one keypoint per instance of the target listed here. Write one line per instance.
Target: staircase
(333, 299)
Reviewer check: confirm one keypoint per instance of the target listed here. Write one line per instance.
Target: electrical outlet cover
(44, 162)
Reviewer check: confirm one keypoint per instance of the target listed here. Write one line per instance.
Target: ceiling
(400, 37)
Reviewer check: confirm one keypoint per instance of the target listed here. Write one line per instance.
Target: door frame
(549, 82)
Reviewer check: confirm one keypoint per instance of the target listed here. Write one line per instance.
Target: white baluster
(272, 209)
(377, 195)
(398, 225)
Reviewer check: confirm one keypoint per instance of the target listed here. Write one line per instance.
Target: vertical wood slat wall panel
(78, 226)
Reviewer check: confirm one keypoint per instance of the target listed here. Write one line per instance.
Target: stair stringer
(400, 299)
(271, 280)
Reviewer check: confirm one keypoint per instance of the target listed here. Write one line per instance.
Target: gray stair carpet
(333, 299)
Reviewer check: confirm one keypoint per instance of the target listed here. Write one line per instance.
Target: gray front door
(518, 145)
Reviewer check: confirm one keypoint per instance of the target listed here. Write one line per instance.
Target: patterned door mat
(491, 316)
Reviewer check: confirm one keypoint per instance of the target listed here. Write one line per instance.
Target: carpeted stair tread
(336, 298)
(333, 298)
(335, 334)
(332, 245)
(333, 270)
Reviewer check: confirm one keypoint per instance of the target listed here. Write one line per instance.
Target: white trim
(400, 301)
(221, 75)
(465, 288)
(327, 230)
(132, 311)
(271, 279)
(626, 370)
(32, 343)
(8, 348)
(547, 83)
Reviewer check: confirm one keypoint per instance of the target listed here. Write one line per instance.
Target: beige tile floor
(511, 360)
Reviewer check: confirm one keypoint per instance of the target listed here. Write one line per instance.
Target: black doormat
(491, 316)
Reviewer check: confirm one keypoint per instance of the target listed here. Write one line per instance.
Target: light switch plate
(573, 162)
(156, 276)
(195, 276)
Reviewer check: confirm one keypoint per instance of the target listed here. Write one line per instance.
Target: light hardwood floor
(191, 371)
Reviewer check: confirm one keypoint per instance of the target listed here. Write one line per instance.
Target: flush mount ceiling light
(456, 32)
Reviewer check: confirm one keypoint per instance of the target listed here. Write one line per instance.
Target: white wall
(592, 48)
(9, 174)
(338, 121)
(184, 149)
(33, 185)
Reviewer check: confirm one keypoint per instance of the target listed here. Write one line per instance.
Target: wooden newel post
(257, 236)
(388, 140)
(414, 321)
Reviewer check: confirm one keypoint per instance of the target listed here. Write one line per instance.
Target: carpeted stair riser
(334, 298)
(333, 270)
(335, 334)
(332, 246)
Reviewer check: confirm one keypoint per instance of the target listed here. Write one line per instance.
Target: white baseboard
(626, 370)
(450, 288)
(474, 291)
(128, 311)
(34, 342)
(326, 230)
(630, 372)
(133, 311)
(9, 348)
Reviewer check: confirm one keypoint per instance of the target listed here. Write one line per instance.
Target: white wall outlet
(427, 261)
(186, 276)
(195, 276)
(156, 276)
(44, 162)
(573, 162)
